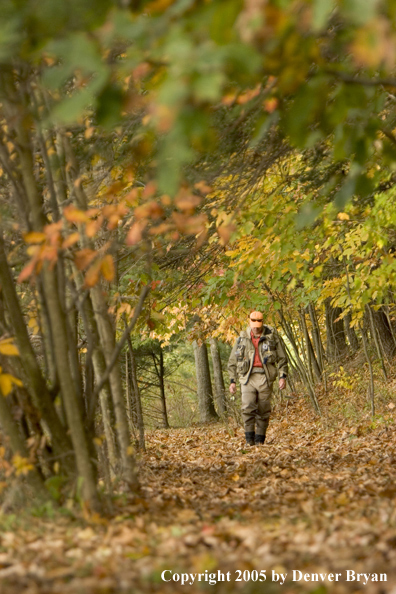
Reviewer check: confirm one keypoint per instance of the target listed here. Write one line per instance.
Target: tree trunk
(18, 446)
(350, 332)
(218, 377)
(370, 366)
(131, 401)
(317, 340)
(384, 332)
(107, 336)
(336, 342)
(129, 397)
(69, 395)
(32, 377)
(48, 343)
(107, 339)
(136, 393)
(311, 358)
(299, 363)
(207, 410)
(161, 378)
(71, 319)
(59, 330)
(378, 346)
(99, 365)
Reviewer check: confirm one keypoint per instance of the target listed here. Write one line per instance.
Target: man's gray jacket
(271, 352)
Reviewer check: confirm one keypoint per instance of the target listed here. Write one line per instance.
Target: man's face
(256, 322)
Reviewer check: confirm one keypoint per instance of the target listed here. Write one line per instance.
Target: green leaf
(222, 20)
(307, 215)
(72, 108)
(10, 35)
(321, 12)
(359, 12)
(345, 193)
(75, 52)
(208, 87)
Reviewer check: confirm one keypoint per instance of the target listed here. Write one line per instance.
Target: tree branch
(122, 341)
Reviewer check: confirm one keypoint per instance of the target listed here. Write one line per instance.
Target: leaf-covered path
(311, 500)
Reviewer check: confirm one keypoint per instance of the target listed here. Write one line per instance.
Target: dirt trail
(309, 501)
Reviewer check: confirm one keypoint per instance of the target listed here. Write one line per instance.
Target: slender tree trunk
(218, 377)
(164, 411)
(376, 341)
(319, 350)
(390, 326)
(59, 330)
(72, 407)
(136, 392)
(207, 410)
(302, 369)
(107, 339)
(350, 332)
(32, 378)
(48, 343)
(128, 387)
(313, 363)
(384, 332)
(18, 446)
(131, 400)
(370, 366)
(72, 333)
(105, 407)
(336, 343)
(99, 365)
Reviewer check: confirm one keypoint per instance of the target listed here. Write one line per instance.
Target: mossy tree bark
(207, 410)
(218, 378)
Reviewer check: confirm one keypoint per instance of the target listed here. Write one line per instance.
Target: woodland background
(166, 167)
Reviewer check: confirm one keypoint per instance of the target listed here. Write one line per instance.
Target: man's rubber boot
(259, 439)
(249, 436)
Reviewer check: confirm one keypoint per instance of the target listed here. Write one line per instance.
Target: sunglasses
(256, 320)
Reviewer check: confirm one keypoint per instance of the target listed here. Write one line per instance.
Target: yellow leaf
(21, 465)
(71, 240)
(107, 267)
(343, 216)
(6, 383)
(75, 215)
(92, 275)
(35, 237)
(84, 257)
(9, 349)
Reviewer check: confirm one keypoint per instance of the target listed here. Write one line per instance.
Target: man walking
(256, 358)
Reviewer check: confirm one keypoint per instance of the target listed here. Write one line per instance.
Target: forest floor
(316, 499)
